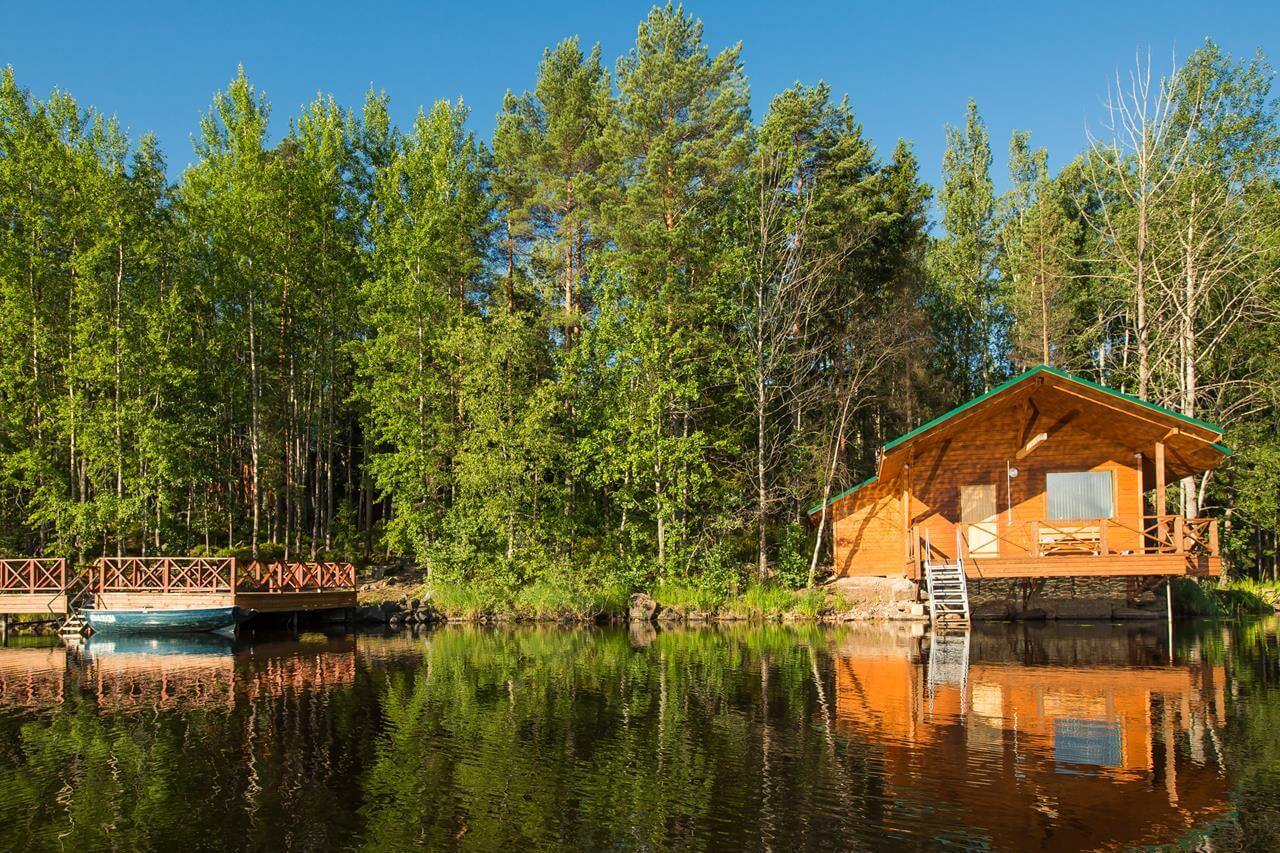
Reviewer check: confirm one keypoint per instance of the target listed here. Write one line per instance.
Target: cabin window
(1079, 494)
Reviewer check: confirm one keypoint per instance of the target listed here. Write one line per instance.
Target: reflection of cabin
(1046, 475)
(987, 754)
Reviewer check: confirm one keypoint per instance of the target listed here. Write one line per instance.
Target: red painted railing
(165, 574)
(176, 575)
(33, 574)
(218, 574)
(295, 577)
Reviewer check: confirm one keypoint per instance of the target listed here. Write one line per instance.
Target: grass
(1228, 598)
(569, 598)
(687, 597)
(550, 600)
(542, 600)
(464, 600)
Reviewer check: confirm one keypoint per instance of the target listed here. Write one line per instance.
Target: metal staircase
(948, 591)
(79, 599)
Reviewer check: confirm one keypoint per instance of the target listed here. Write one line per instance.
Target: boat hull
(192, 621)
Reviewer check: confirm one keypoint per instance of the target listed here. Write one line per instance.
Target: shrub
(1214, 599)
(792, 567)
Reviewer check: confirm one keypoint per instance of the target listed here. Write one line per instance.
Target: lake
(1029, 736)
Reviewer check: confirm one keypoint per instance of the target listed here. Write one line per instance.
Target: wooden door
(978, 516)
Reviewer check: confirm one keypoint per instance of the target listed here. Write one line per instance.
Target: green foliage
(792, 568)
(1230, 599)
(623, 346)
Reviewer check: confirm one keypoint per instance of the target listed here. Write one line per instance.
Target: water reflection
(1020, 738)
(750, 737)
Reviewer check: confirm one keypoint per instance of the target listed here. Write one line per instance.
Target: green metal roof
(843, 494)
(1017, 380)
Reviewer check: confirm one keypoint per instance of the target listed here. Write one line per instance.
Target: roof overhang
(1192, 446)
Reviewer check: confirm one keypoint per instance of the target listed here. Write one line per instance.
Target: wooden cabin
(1046, 475)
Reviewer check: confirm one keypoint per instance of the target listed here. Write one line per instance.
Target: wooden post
(1161, 495)
(1168, 605)
(906, 509)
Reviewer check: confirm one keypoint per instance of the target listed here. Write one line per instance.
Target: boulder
(670, 616)
(371, 613)
(642, 608)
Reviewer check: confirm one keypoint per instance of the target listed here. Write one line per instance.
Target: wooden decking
(46, 585)
(33, 585)
(1082, 547)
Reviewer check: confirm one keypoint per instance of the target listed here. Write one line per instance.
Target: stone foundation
(1061, 598)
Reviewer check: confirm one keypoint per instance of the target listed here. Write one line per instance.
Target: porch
(1085, 547)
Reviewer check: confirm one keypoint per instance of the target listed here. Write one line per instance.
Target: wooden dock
(48, 586)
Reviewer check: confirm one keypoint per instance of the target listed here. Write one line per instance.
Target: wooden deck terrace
(44, 585)
(33, 585)
(1079, 547)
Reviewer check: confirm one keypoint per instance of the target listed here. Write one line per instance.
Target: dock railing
(165, 574)
(259, 576)
(218, 574)
(32, 575)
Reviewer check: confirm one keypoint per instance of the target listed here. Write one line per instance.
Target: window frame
(1114, 497)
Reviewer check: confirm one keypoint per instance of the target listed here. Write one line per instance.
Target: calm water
(1012, 737)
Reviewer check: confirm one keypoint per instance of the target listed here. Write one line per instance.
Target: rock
(670, 616)
(642, 608)
(371, 613)
(394, 621)
(872, 591)
(1032, 614)
(918, 611)
(389, 608)
(1124, 614)
(415, 604)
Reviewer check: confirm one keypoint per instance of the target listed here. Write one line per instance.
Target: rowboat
(151, 621)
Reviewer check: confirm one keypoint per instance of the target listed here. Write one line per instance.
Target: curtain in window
(1079, 494)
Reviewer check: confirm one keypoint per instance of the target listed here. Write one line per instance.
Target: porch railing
(1101, 537)
(1169, 534)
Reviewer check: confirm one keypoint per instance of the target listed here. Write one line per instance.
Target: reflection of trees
(503, 740)
(537, 737)
(163, 771)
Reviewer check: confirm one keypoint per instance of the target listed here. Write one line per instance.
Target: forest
(629, 339)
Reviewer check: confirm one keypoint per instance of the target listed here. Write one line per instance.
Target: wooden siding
(868, 531)
(1038, 429)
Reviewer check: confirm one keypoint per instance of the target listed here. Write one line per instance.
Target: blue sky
(908, 68)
